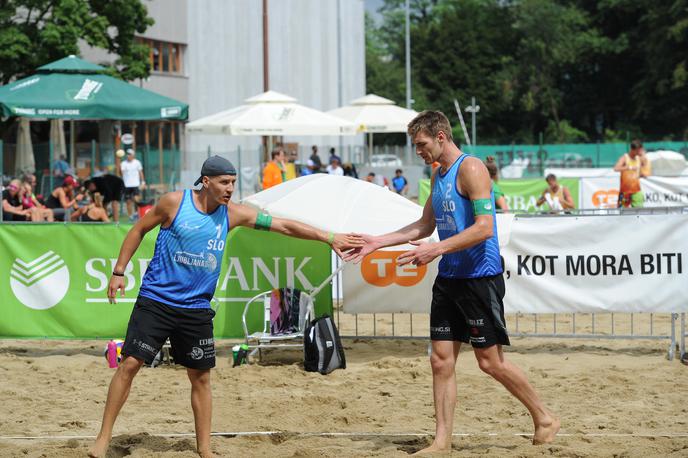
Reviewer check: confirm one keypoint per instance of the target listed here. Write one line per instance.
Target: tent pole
(93, 158)
(239, 171)
(72, 144)
(52, 161)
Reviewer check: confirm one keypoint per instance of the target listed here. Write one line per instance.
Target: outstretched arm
(245, 216)
(419, 229)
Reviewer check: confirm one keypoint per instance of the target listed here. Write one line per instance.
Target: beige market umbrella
(374, 114)
(271, 114)
(25, 161)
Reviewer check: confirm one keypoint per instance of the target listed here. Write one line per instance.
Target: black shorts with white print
(469, 310)
(190, 332)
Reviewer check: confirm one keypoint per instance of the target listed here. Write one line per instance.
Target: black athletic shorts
(469, 310)
(130, 193)
(190, 332)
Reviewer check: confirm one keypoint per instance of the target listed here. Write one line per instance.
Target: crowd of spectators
(283, 166)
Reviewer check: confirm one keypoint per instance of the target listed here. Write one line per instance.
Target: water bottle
(112, 354)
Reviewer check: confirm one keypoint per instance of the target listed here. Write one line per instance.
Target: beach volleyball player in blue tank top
(469, 288)
(174, 298)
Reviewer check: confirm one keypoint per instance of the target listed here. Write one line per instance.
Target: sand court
(615, 398)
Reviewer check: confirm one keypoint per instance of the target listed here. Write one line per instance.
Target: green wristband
(330, 238)
(263, 222)
(482, 207)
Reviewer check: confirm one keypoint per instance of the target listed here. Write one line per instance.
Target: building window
(165, 57)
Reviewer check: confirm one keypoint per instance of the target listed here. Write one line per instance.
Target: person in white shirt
(132, 174)
(334, 168)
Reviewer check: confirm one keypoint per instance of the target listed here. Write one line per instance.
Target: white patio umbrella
(25, 161)
(667, 163)
(271, 113)
(373, 114)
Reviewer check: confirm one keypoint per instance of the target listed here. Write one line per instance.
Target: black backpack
(322, 348)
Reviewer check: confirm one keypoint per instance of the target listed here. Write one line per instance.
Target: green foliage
(572, 69)
(36, 32)
(564, 132)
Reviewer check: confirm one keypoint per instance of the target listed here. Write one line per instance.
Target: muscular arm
(162, 214)
(245, 216)
(475, 184)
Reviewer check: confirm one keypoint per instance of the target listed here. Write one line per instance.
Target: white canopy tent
(374, 114)
(271, 113)
(667, 163)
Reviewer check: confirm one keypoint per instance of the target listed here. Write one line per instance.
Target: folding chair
(280, 330)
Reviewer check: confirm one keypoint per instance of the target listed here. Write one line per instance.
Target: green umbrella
(72, 88)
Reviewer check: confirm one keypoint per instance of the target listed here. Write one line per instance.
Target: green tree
(554, 38)
(35, 32)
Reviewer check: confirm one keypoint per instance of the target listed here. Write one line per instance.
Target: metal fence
(669, 327)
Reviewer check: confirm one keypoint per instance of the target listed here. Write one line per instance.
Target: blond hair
(431, 123)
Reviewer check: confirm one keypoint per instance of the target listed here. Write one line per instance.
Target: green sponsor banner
(54, 278)
(423, 191)
(521, 195)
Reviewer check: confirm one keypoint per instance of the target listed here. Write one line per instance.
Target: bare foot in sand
(206, 454)
(545, 433)
(99, 449)
(434, 448)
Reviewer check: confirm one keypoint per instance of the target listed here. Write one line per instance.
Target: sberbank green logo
(40, 283)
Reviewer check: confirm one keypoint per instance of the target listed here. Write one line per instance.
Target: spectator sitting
(29, 202)
(334, 167)
(309, 168)
(11, 203)
(378, 180)
(399, 182)
(558, 197)
(111, 187)
(93, 212)
(62, 198)
(350, 170)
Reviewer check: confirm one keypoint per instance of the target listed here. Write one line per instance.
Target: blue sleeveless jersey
(187, 258)
(453, 214)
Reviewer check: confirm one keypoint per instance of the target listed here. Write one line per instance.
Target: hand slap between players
(357, 254)
(344, 242)
(424, 254)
